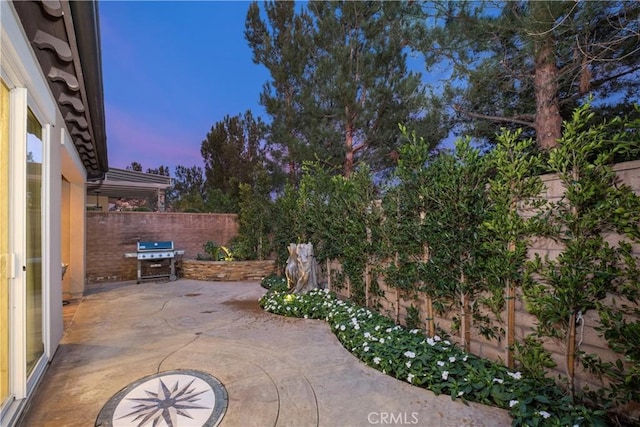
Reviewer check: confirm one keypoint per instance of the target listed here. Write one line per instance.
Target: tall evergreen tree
(188, 192)
(284, 49)
(530, 63)
(340, 84)
(361, 88)
(231, 154)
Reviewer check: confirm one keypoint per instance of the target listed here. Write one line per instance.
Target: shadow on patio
(277, 371)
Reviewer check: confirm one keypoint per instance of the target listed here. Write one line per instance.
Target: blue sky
(171, 70)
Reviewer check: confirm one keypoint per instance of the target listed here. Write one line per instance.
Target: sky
(171, 70)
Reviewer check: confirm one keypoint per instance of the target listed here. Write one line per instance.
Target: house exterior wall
(29, 90)
(112, 234)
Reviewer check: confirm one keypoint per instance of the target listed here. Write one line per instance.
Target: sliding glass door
(5, 258)
(34, 294)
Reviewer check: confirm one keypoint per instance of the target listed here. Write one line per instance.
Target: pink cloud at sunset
(171, 71)
(151, 144)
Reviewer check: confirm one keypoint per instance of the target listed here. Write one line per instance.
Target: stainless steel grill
(156, 260)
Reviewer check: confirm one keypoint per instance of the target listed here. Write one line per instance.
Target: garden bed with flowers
(433, 363)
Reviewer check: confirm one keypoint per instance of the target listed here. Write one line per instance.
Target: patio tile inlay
(172, 398)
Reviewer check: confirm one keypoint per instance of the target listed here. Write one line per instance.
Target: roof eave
(86, 24)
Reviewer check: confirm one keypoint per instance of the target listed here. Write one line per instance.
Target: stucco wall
(112, 234)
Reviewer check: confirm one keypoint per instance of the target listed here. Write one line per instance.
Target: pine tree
(282, 45)
(530, 63)
(340, 84)
(231, 154)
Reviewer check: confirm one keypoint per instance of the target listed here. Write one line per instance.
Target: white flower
(414, 331)
(452, 359)
(464, 359)
(431, 342)
(440, 363)
(410, 378)
(377, 328)
(410, 354)
(376, 360)
(436, 338)
(512, 403)
(408, 364)
(381, 340)
(498, 380)
(460, 393)
(388, 330)
(447, 342)
(356, 327)
(544, 414)
(445, 375)
(342, 327)
(367, 335)
(515, 375)
(366, 349)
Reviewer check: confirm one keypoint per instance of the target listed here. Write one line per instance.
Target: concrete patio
(276, 371)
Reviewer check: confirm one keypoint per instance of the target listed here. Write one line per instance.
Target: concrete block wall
(112, 234)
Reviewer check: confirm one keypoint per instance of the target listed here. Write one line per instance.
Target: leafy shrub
(275, 283)
(217, 253)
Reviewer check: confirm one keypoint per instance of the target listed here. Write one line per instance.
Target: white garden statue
(301, 268)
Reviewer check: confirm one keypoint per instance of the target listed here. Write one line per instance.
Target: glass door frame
(28, 89)
(25, 381)
(21, 383)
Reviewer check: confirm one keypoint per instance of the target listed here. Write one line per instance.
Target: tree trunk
(292, 172)
(511, 315)
(348, 149)
(465, 322)
(397, 263)
(511, 323)
(367, 283)
(431, 325)
(465, 315)
(571, 354)
(548, 122)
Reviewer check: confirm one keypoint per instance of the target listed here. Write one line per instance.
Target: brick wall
(111, 234)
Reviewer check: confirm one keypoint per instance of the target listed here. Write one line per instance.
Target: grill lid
(155, 246)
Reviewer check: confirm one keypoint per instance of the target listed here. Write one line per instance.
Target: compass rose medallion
(172, 399)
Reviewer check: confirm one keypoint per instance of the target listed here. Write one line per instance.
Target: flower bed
(432, 363)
